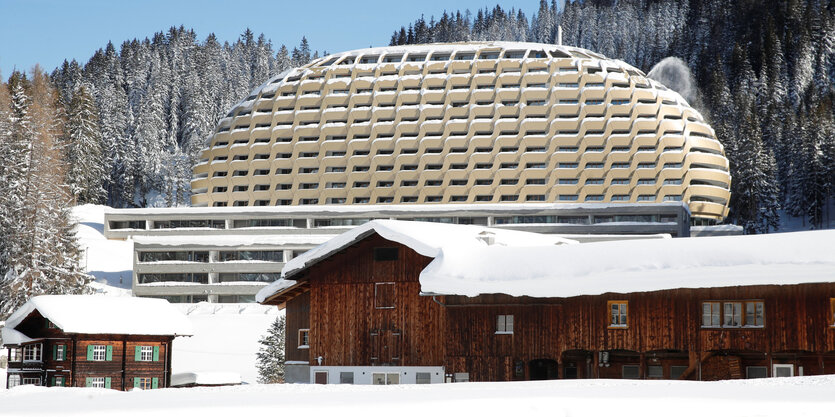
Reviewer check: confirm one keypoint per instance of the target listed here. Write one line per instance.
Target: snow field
(798, 396)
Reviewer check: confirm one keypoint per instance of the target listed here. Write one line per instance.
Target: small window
(304, 338)
(99, 352)
(423, 378)
(97, 382)
(59, 352)
(144, 383)
(832, 311)
(630, 372)
(676, 371)
(752, 372)
(618, 314)
(655, 372)
(386, 254)
(504, 324)
(14, 355)
(385, 378)
(711, 314)
(346, 377)
(34, 381)
(146, 353)
(33, 353)
(384, 295)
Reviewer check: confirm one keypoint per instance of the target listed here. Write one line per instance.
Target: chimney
(559, 35)
(487, 237)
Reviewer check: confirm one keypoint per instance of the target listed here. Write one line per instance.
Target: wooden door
(320, 377)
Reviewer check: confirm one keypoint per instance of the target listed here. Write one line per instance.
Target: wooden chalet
(397, 302)
(92, 341)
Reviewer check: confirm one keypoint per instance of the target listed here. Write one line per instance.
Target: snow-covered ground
(225, 338)
(799, 396)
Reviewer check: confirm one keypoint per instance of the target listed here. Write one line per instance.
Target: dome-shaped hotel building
(467, 123)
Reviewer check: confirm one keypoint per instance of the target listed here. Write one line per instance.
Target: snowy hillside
(225, 335)
(799, 396)
(109, 261)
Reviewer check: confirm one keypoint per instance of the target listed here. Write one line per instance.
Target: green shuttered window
(146, 353)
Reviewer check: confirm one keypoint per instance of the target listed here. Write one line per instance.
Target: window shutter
(136, 382)
(107, 382)
(154, 383)
(156, 353)
(89, 354)
(137, 356)
(52, 383)
(54, 353)
(88, 383)
(109, 353)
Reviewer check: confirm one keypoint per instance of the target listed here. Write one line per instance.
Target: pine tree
(270, 357)
(84, 149)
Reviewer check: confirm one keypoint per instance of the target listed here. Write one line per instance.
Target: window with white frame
(504, 324)
(14, 355)
(97, 382)
(99, 354)
(33, 353)
(14, 380)
(146, 353)
(304, 338)
(732, 314)
(60, 352)
(31, 381)
(58, 381)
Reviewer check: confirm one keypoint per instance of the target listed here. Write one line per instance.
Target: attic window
(386, 254)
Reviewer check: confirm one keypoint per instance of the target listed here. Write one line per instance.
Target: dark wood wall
(346, 326)
(797, 323)
(664, 327)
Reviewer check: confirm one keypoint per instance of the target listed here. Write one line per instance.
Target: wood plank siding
(367, 312)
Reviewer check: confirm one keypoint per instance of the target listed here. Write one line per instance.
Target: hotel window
(304, 338)
(33, 353)
(733, 314)
(384, 295)
(504, 324)
(617, 314)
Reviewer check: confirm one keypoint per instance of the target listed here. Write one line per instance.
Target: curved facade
(470, 123)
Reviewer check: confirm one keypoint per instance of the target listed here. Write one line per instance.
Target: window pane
(623, 314)
(737, 314)
(614, 314)
(509, 324)
(392, 379)
(760, 314)
(707, 315)
(717, 319)
(655, 371)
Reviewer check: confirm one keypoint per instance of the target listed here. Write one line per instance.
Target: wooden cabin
(408, 302)
(119, 343)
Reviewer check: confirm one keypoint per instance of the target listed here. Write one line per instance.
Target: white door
(782, 370)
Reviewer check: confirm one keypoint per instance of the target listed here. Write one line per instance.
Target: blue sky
(48, 31)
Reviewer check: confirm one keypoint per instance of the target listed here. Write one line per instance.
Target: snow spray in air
(675, 75)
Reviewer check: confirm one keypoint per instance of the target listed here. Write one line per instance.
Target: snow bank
(633, 265)
(205, 378)
(424, 238)
(109, 261)
(96, 314)
(773, 397)
(225, 338)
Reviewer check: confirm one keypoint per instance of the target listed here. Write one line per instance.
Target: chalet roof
(533, 268)
(95, 314)
(634, 265)
(427, 239)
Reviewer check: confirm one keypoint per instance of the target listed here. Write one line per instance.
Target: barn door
(386, 346)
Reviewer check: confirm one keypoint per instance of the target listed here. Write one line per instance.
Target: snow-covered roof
(634, 266)
(205, 378)
(529, 264)
(427, 239)
(94, 314)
